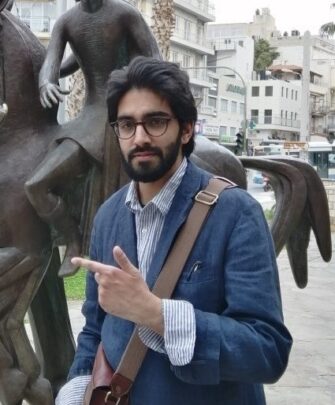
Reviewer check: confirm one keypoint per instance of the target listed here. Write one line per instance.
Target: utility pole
(305, 99)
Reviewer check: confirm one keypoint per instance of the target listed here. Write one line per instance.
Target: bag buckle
(206, 197)
(109, 396)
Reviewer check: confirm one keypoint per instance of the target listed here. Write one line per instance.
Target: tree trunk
(163, 24)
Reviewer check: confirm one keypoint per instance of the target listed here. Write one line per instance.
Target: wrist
(153, 315)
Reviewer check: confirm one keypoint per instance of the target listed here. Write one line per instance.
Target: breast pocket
(199, 284)
(197, 272)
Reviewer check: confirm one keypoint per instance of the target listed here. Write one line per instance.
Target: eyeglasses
(155, 126)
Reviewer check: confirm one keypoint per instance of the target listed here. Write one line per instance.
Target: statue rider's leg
(65, 162)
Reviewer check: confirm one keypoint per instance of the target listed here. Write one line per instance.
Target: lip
(144, 155)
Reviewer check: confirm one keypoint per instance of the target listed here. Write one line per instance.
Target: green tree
(265, 54)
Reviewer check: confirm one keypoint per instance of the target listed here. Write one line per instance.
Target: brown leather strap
(136, 350)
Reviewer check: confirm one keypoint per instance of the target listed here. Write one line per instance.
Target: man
(103, 35)
(221, 335)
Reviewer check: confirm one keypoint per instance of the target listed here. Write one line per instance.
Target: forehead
(139, 102)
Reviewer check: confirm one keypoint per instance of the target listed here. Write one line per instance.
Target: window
(224, 105)
(268, 91)
(186, 61)
(267, 116)
(233, 131)
(254, 116)
(282, 91)
(286, 93)
(223, 130)
(296, 94)
(212, 102)
(174, 56)
(187, 30)
(292, 94)
(242, 108)
(255, 91)
(233, 106)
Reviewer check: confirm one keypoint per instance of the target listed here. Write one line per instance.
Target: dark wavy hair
(163, 78)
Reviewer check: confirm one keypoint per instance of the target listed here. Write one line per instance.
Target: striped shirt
(179, 318)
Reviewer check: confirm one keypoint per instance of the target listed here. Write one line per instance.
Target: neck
(91, 6)
(147, 191)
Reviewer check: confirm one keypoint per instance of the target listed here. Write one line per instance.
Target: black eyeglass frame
(115, 127)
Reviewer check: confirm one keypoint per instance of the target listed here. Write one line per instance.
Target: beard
(147, 172)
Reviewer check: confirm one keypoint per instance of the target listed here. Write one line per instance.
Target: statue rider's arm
(140, 37)
(50, 92)
(69, 66)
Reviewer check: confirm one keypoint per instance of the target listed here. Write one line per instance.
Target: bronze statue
(103, 35)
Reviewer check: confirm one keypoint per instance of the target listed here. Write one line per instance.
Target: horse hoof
(12, 386)
(40, 392)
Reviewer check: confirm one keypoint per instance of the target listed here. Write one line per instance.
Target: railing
(190, 37)
(317, 108)
(37, 24)
(275, 120)
(202, 5)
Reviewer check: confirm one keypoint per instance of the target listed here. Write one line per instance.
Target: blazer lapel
(182, 203)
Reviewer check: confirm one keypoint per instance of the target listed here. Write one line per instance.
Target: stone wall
(330, 190)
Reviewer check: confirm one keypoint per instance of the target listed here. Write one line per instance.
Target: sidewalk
(310, 317)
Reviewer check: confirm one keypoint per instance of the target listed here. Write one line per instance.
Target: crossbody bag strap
(135, 351)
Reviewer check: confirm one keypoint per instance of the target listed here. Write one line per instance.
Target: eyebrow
(147, 115)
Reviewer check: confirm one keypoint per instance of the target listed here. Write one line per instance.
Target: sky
(301, 15)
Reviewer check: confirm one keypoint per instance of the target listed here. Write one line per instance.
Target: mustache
(139, 149)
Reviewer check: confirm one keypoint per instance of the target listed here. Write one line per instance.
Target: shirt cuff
(72, 393)
(179, 331)
(151, 339)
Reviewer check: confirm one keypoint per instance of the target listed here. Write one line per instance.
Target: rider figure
(103, 35)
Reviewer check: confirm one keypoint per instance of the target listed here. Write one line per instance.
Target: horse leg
(68, 160)
(54, 344)
(18, 366)
(38, 389)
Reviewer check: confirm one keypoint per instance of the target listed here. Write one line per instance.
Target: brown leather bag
(111, 388)
(98, 389)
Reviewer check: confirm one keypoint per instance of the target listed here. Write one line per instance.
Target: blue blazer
(232, 281)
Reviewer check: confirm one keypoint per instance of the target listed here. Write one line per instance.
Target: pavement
(309, 315)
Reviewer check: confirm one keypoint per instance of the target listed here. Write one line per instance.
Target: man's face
(150, 158)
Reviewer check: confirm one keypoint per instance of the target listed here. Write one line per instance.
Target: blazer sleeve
(248, 341)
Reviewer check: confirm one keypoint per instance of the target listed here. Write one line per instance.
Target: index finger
(91, 265)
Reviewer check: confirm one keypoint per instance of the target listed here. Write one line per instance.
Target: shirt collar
(163, 200)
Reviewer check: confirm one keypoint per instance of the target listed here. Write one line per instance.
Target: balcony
(198, 77)
(193, 42)
(207, 110)
(275, 122)
(202, 9)
(37, 24)
(319, 110)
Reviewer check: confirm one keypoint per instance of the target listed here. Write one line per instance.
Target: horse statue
(28, 260)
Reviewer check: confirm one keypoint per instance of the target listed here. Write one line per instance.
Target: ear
(187, 132)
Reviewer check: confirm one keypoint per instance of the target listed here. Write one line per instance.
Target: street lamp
(245, 123)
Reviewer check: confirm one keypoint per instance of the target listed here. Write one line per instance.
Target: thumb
(123, 261)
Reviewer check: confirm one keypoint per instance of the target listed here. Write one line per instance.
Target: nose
(140, 136)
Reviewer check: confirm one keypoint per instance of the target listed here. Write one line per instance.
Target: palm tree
(328, 29)
(163, 23)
